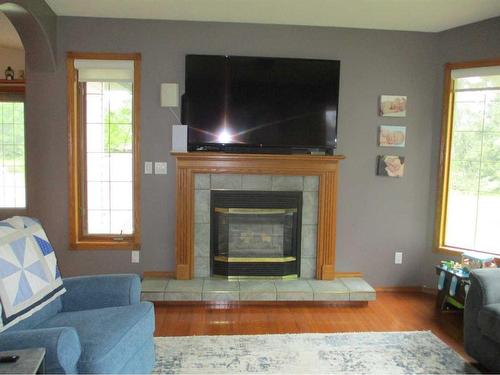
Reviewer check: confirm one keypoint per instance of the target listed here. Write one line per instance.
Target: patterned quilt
(29, 277)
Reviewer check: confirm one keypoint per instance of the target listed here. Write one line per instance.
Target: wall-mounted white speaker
(179, 138)
(169, 95)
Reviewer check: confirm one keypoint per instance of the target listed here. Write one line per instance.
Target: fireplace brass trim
(237, 278)
(256, 211)
(225, 259)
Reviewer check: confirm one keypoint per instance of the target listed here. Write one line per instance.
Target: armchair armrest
(62, 346)
(95, 292)
(488, 281)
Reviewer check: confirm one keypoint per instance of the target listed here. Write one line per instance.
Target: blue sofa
(482, 318)
(98, 326)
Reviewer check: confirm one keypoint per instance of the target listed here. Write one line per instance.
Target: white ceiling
(411, 15)
(9, 38)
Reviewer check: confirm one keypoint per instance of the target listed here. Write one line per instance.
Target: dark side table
(448, 298)
(31, 361)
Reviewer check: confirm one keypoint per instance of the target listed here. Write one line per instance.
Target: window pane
(472, 220)
(95, 132)
(98, 221)
(466, 146)
(491, 147)
(468, 112)
(109, 158)
(97, 166)
(8, 113)
(19, 133)
(12, 155)
(119, 138)
(492, 112)
(98, 195)
(477, 82)
(464, 176)
(488, 223)
(121, 167)
(94, 109)
(94, 87)
(490, 177)
(121, 222)
(461, 219)
(121, 196)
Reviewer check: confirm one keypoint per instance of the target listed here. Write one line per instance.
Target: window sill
(105, 244)
(455, 251)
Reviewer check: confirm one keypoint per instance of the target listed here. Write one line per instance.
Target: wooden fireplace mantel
(189, 163)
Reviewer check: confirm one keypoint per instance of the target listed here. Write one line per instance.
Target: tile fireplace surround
(199, 172)
(204, 183)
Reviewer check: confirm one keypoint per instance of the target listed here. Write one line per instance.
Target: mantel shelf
(323, 166)
(246, 156)
(12, 81)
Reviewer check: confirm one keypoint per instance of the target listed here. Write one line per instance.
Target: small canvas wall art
(393, 106)
(390, 165)
(392, 136)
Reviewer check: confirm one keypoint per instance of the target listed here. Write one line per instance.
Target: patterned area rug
(385, 352)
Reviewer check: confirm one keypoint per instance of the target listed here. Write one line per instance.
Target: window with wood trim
(103, 109)
(468, 207)
(12, 149)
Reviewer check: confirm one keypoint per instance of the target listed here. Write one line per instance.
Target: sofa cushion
(489, 321)
(108, 336)
(29, 277)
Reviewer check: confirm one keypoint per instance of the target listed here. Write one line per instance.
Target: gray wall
(467, 43)
(13, 57)
(376, 216)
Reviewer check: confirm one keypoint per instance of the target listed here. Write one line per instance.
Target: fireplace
(255, 234)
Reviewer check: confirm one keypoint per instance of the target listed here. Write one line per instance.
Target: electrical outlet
(160, 167)
(148, 167)
(398, 257)
(135, 256)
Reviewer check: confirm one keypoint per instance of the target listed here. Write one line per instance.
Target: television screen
(234, 102)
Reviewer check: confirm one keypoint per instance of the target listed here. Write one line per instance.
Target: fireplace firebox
(255, 234)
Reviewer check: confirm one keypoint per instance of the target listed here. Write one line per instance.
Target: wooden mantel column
(325, 167)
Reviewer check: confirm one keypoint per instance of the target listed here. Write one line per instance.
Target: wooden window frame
(445, 156)
(78, 239)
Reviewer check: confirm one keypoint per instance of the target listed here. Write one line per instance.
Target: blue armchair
(98, 326)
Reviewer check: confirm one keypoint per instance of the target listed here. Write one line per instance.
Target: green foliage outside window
(118, 120)
(475, 157)
(12, 136)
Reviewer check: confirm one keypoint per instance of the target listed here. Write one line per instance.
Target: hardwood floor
(390, 312)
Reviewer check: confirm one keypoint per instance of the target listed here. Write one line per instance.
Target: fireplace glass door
(255, 234)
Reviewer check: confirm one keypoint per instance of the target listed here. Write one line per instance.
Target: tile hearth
(210, 289)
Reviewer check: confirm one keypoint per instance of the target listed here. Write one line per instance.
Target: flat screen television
(261, 104)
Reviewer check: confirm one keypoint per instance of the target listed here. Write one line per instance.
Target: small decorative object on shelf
(20, 74)
(9, 74)
(471, 261)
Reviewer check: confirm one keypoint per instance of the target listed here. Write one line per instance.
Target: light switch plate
(135, 256)
(160, 167)
(398, 257)
(148, 167)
